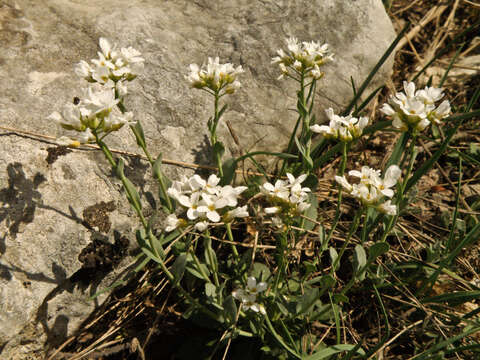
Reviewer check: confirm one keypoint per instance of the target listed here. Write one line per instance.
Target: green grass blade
(444, 77)
(449, 135)
(441, 345)
(332, 350)
(367, 100)
(398, 150)
(375, 69)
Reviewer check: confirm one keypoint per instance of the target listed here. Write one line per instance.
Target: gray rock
(41, 230)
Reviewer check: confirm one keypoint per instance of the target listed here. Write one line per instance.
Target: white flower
(70, 119)
(388, 208)
(191, 203)
(125, 64)
(239, 212)
(343, 128)
(100, 102)
(372, 189)
(201, 226)
(248, 296)
(209, 206)
(78, 138)
(392, 175)
(84, 70)
(280, 189)
(303, 57)
(343, 181)
(272, 210)
(253, 287)
(215, 76)
(415, 110)
(172, 222)
(114, 122)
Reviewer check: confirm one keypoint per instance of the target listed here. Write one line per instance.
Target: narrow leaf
(359, 261)
(178, 267)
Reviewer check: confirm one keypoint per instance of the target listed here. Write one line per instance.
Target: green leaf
(306, 157)
(359, 262)
(132, 194)
(374, 71)
(229, 167)
(156, 244)
(230, 308)
(398, 150)
(210, 290)
(307, 301)
(455, 298)
(422, 170)
(340, 298)
(333, 257)
(157, 166)
(301, 108)
(311, 212)
(119, 168)
(178, 267)
(139, 135)
(210, 256)
(332, 350)
(141, 238)
(260, 271)
(219, 149)
(377, 250)
(222, 110)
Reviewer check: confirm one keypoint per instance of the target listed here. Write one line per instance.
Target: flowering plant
(214, 229)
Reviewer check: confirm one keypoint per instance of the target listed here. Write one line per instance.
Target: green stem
(112, 162)
(208, 246)
(353, 229)
(400, 194)
(213, 136)
(364, 226)
(230, 237)
(281, 245)
(279, 338)
(176, 284)
(341, 171)
(142, 144)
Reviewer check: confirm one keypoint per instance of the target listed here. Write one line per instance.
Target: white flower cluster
(372, 188)
(304, 57)
(248, 296)
(95, 112)
(343, 128)
(215, 76)
(288, 198)
(205, 200)
(112, 67)
(416, 109)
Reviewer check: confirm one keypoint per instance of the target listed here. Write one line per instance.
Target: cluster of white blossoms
(416, 109)
(215, 76)
(372, 189)
(288, 198)
(204, 202)
(94, 112)
(343, 128)
(304, 57)
(112, 68)
(248, 296)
